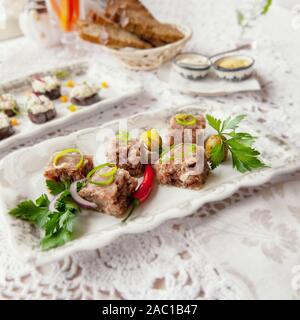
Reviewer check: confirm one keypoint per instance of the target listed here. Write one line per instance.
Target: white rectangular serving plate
(120, 87)
(210, 86)
(21, 177)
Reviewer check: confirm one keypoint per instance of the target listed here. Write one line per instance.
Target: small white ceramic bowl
(234, 73)
(192, 66)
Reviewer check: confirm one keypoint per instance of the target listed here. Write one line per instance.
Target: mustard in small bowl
(234, 67)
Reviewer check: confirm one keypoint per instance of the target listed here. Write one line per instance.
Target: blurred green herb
(266, 7)
(246, 19)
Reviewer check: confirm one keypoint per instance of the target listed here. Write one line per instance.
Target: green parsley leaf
(245, 158)
(243, 137)
(217, 155)
(51, 225)
(70, 205)
(236, 144)
(58, 225)
(238, 164)
(65, 202)
(56, 188)
(214, 123)
(232, 123)
(42, 201)
(244, 161)
(57, 239)
(59, 229)
(32, 212)
(81, 185)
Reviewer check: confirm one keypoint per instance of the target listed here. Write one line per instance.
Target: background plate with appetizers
(45, 101)
(22, 177)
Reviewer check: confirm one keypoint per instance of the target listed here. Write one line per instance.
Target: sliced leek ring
(185, 119)
(62, 153)
(110, 175)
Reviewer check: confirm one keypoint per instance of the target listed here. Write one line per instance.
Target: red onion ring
(80, 201)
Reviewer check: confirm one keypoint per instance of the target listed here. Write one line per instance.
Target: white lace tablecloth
(244, 247)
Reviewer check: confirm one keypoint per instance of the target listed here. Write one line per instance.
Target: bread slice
(132, 16)
(114, 8)
(109, 34)
(100, 18)
(149, 29)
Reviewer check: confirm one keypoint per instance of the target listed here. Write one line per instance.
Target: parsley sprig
(240, 145)
(58, 225)
(55, 188)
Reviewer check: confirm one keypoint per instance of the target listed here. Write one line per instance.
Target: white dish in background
(21, 176)
(211, 85)
(120, 88)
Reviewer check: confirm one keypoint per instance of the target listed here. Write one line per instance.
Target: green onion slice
(15, 109)
(185, 119)
(167, 155)
(67, 151)
(110, 175)
(62, 74)
(103, 183)
(122, 136)
(188, 148)
(178, 152)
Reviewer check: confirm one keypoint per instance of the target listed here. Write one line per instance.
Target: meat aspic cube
(183, 166)
(6, 129)
(126, 155)
(113, 199)
(66, 168)
(186, 128)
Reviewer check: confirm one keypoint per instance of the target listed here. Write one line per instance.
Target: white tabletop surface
(244, 247)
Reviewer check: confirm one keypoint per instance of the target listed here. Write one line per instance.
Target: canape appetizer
(8, 105)
(110, 188)
(40, 109)
(184, 128)
(6, 129)
(125, 153)
(69, 165)
(48, 86)
(84, 95)
(183, 165)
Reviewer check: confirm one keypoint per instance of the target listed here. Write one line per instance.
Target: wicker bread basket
(148, 59)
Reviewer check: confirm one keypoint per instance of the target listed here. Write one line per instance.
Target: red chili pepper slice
(143, 191)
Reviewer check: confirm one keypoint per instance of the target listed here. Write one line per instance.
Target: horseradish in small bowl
(192, 66)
